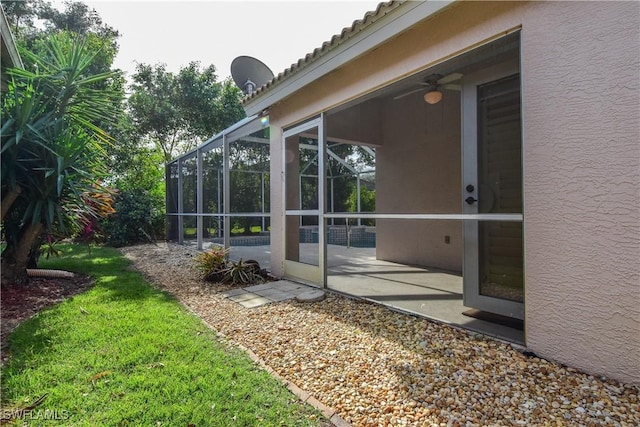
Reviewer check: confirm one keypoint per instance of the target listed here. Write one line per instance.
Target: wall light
(433, 96)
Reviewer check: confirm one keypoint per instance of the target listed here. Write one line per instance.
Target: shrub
(139, 217)
(216, 267)
(243, 273)
(213, 263)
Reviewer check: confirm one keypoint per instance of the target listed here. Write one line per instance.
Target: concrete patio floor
(424, 292)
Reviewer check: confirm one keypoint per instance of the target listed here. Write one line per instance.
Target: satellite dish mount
(248, 87)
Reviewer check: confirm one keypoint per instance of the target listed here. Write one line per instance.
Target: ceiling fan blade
(452, 87)
(450, 78)
(408, 93)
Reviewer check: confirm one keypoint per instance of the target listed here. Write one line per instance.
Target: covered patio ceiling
(365, 111)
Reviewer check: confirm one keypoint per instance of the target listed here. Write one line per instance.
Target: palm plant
(52, 149)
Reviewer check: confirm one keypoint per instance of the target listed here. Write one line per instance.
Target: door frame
(471, 268)
(315, 275)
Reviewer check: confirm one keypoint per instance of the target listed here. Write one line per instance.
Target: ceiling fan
(432, 84)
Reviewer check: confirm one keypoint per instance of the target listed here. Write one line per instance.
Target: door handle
(470, 200)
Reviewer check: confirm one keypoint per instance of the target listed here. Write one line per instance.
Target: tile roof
(348, 32)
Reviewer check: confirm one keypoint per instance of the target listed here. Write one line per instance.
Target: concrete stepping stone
(243, 297)
(233, 292)
(311, 296)
(257, 301)
(260, 287)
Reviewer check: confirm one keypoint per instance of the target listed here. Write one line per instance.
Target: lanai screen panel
(302, 181)
(249, 196)
(248, 165)
(367, 196)
(308, 176)
(213, 192)
(350, 181)
(189, 197)
(229, 171)
(172, 200)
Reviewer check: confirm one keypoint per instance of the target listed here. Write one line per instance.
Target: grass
(237, 229)
(190, 232)
(126, 354)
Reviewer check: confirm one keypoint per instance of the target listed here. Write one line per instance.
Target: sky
(215, 32)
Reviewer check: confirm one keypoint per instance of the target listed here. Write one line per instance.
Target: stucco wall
(582, 180)
(418, 171)
(581, 124)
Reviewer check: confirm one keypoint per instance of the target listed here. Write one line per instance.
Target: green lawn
(190, 232)
(125, 354)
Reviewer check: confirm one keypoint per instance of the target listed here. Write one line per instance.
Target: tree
(175, 112)
(76, 18)
(136, 175)
(52, 149)
(21, 15)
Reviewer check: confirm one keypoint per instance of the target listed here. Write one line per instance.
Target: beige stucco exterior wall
(582, 185)
(581, 138)
(418, 171)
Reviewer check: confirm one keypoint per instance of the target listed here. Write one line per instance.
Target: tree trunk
(14, 266)
(8, 200)
(35, 252)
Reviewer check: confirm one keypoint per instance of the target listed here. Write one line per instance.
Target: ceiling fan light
(433, 97)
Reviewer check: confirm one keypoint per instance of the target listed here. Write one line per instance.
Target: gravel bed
(376, 367)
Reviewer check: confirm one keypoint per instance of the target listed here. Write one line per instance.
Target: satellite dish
(249, 73)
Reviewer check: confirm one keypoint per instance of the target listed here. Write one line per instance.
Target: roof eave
(385, 27)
